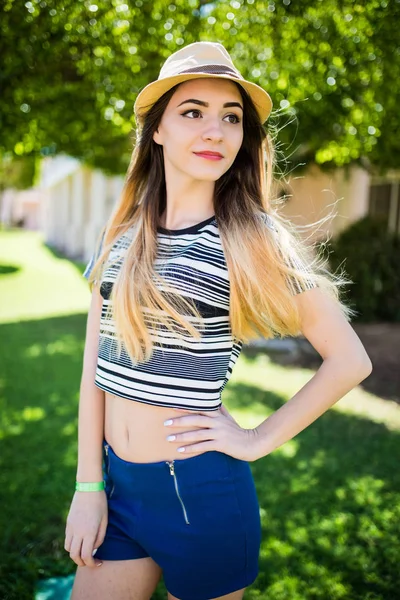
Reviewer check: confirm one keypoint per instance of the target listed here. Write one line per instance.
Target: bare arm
(91, 401)
(87, 518)
(345, 365)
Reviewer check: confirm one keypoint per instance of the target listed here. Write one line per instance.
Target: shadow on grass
(329, 499)
(330, 508)
(384, 381)
(9, 269)
(76, 262)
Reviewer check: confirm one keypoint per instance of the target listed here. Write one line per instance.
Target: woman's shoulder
(122, 241)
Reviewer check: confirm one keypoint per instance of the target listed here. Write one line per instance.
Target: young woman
(193, 262)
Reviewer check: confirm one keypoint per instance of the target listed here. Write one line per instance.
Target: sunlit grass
(329, 498)
(40, 285)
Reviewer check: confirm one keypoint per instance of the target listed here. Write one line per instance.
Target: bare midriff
(136, 431)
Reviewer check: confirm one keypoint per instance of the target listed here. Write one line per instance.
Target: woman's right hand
(86, 527)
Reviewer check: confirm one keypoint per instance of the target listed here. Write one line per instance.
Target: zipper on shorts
(172, 472)
(108, 460)
(106, 447)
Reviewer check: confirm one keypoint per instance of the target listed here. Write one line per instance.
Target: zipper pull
(106, 449)
(171, 467)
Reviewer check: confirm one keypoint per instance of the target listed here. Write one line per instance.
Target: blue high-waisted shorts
(198, 518)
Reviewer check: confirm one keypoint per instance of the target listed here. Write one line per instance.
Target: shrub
(370, 256)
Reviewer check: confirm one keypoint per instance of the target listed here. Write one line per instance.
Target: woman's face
(196, 121)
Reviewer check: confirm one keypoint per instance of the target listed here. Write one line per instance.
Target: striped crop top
(188, 374)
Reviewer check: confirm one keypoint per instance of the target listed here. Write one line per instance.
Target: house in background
(72, 202)
(384, 199)
(76, 203)
(21, 208)
(355, 195)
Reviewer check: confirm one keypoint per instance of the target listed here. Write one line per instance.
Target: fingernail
(171, 438)
(99, 564)
(181, 449)
(169, 422)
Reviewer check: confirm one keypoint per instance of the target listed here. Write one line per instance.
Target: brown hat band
(213, 70)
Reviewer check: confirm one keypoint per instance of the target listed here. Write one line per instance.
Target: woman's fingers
(85, 528)
(68, 540)
(101, 533)
(88, 547)
(82, 551)
(75, 551)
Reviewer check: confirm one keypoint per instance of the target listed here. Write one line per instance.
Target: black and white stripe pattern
(182, 373)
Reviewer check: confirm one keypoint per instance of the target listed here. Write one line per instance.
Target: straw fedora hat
(196, 61)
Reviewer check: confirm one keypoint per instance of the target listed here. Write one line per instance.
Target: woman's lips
(209, 156)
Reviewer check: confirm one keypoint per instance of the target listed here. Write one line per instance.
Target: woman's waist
(137, 433)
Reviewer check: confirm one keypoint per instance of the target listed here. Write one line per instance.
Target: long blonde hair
(260, 259)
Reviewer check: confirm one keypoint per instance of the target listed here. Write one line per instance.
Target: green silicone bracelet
(98, 486)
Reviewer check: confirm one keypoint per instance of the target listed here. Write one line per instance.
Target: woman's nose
(213, 132)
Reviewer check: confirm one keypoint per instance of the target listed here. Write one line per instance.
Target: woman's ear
(157, 137)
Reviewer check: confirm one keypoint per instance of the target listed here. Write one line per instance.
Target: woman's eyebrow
(202, 103)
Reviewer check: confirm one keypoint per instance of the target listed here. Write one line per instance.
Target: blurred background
(70, 73)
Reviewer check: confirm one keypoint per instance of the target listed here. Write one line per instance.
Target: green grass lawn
(330, 498)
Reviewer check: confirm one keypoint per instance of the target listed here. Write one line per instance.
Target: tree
(333, 64)
(72, 70)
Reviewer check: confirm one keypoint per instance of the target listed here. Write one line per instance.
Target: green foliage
(18, 172)
(71, 72)
(371, 258)
(333, 65)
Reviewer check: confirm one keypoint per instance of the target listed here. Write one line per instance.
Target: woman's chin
(207, 174)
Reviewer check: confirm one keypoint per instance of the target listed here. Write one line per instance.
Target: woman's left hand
(219, 432)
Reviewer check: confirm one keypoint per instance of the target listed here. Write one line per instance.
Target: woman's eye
(237, 120)
(190, 111)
